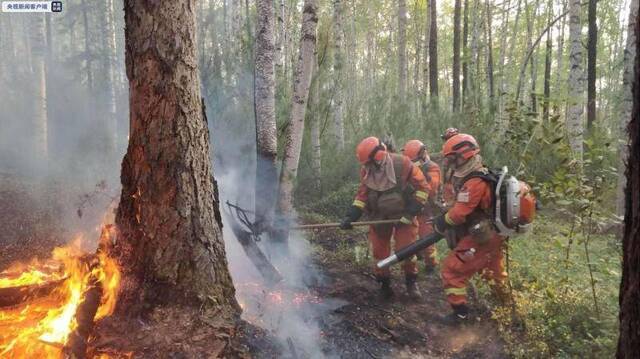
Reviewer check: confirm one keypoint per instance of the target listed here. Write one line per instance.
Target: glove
(406, 220)
(353, 215)
(440, 224)
(414, 207)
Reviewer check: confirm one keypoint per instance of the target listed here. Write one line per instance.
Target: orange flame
(40, 327)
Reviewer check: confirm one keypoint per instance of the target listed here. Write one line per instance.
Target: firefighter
(468, 227)
(447, 193)
(417, 153)
(390, 188)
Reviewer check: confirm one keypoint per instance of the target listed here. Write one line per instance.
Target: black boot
(412, 287)
(386, 292)
(459, 315)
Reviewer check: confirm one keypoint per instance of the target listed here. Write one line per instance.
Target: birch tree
(295, 127)
(265, 113)
(575, 83)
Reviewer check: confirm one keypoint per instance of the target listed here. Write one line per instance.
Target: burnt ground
(366, 326)
(357, 325)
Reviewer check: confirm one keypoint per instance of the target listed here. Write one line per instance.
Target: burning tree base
(52, 312)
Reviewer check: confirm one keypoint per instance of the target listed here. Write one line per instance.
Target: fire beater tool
(248, 234)
(410, 250)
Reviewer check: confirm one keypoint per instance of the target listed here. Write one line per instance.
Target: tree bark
(465, 53)
(456, 56)
(402, 50)
(630, 54)
(280, 37)
(338, 74)
(433, 52)
(295, 128)
(87, 46)
(629, 339)
(169, 246)
(501, 60)
(592, 44)
(547, 66)
(109, 68)
(576, 81)
(40, 120)
(265, 113)
(316, 148)
(489, 54)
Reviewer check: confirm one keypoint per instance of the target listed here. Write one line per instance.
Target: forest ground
(553, 295)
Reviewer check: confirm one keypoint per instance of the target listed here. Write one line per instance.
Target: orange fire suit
(432, 174)
(403, 234)
(469, 256)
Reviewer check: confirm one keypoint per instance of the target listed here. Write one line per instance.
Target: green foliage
(554, 310)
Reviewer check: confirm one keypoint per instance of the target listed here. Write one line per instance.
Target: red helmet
(449, 132)
(461, 145)
(415, 150)
(371, 148)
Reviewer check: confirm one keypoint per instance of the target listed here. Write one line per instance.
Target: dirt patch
(370, 327)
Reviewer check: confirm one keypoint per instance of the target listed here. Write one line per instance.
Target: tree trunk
(576, 78)
(489, 54)
(425, 69)
(170, 246)
(295, 128)
(109, 68)
(629, 339)
(560, 58)
(547, 66)
(87, 46)
(591, 64)
(465, 53)
(338, 74)
(316, 149)
(630, 54)
(501, 61)
(456, 56)
(40, 121)
(473, 60)
(402, 50)
(433, 52)
(265, 113)
(280, 38)
(531, 21)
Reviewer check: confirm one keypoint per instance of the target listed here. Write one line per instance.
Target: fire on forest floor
(366, 326)
(41, 322)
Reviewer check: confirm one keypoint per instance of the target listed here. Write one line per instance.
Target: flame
(40, 327)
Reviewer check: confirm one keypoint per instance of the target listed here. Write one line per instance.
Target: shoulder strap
(398, 168)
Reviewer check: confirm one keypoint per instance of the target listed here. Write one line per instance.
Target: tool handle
(337, 224)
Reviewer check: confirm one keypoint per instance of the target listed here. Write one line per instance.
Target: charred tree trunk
(295, 129)
(402, 50)
(456, 56)
(265, 112)
(576, 77)
(592, 44)
(169, 246)
(629, 340)
(630, 54)
(433, 52)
